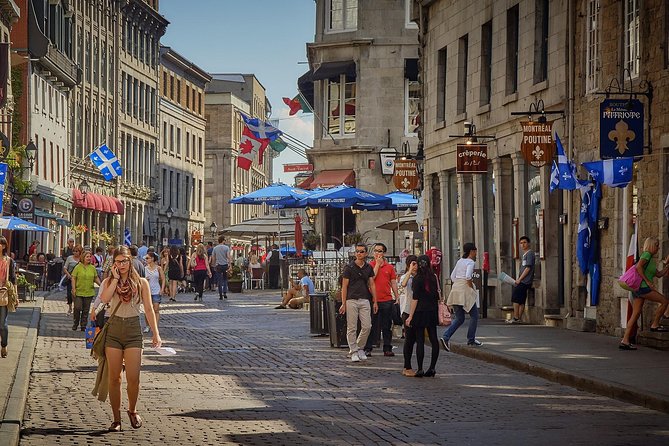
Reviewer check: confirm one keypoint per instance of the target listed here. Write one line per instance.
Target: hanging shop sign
(298, 167)
(472, 158)
(405, 176)
(26, 209)
(620, 128)
(195, 238)
(538, 144)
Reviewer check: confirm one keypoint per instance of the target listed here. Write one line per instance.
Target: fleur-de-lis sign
(537, 152)
(621, 136)
(622, 170)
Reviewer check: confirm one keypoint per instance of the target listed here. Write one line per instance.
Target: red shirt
(382, 281)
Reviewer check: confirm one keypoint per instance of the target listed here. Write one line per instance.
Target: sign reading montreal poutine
(472, 158)
(538, 145)
(405, 177)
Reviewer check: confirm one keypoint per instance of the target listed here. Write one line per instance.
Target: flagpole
(316, 116)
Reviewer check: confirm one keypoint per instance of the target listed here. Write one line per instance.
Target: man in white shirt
(463, 298)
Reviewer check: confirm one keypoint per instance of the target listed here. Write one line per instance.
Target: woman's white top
(153, 276)
(464, 269)
(407, 295)
(461, 293)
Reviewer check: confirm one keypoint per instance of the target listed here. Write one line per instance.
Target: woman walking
(406, 283)
(199, 267)
(7, 276)
(156, 278)
(71, 261)
(175, 272)
(84, 276)
(124, 290)
(647, 269)
(424, 315)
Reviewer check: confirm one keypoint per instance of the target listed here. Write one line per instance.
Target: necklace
(124, 289)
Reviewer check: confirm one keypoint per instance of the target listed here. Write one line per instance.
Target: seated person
(301, 291)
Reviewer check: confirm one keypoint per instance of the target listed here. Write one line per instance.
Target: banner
(537, 145)
(620, 128)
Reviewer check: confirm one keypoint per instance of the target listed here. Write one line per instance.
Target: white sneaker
(355, 357)
(362, 355)
(147, 329)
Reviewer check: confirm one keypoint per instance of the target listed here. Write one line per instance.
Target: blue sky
(264, 37)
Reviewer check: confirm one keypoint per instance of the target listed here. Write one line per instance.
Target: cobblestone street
(247, 374)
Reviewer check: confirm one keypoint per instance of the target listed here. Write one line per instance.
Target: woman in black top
(174, 271)
(424, 314)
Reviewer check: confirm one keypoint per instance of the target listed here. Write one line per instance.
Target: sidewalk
(15, 368)
(587, 361)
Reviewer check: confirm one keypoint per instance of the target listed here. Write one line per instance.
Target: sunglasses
(378, 250)
(357, 251)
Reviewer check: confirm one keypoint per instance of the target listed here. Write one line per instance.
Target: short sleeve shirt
(528, 262)
(650, 269)
(382, 281)
(84, 277)
(358, 279)
(306, 280)
(221, 253)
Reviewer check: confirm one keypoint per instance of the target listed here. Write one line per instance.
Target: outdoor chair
(257, 277)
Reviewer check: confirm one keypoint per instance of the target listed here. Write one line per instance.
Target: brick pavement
(248, 374)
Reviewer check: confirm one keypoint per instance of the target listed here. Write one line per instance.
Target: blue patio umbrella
(11, 223)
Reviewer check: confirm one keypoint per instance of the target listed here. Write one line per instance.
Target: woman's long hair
(3, 242)
(649, 243)
(200, 251)
(133, 275)
(425, 278)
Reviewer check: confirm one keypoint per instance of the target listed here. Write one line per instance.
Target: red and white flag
(632, 250)
(249, 147)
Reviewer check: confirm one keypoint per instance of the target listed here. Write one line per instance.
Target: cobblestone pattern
(250, 375)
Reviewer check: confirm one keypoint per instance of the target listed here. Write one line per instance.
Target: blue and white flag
(106, 162)
(562, 173)
(261, 129)
(3, 177)
(614, 172)
(127, 237)
(583, 234)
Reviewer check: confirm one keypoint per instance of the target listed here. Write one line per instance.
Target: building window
(407, 15)
(87, 56)
(512, 50)
(179, 142)
(36, 91)
(188, 144)
(164, 136)
(441, 85)
(188, 97)
(171, 87)
(165, 83)
(171, 138)
(179, 91)
(632, 37)
(486, 63)
(540, 41)
(592, 47)
(463, 56)
(341, 96)
(199, 102)
(178, 194)
(412, 99)
(199, 150)
(342, 15)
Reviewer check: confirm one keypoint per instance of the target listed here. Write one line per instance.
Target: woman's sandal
(115, 427)
(135, 420)
(408, 372)
(624, 346)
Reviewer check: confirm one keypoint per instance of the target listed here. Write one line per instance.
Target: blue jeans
(4, 330)
(222, 279)
(460, 319)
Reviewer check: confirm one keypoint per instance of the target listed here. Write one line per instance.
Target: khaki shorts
(124, 332)
(297, 302)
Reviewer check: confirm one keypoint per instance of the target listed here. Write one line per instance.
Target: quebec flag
(261, 129)
(612, 172)
(106, 162)
(3, 177)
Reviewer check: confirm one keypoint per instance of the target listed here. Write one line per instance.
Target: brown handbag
(98, 349)
(4, 296)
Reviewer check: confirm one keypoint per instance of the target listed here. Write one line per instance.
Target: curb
(11, 426)
(560, 376)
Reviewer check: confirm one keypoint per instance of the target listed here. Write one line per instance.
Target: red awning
(306, 183)
(107, 205)
(119, 205)
(330, 178)
(97, 202)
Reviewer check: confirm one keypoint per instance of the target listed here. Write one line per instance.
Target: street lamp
(311, 215)
(170, 213)
(84, 188)
(213, 229)
(31, 154)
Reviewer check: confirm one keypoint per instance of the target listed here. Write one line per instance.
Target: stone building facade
(181, 157)
(362, 84)
(228, 95)
(482, 64)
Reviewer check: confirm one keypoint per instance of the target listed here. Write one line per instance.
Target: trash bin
(318, 314)
(337, 324)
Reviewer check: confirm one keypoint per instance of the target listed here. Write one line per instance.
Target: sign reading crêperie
(538, 144)
(405, 176)
(472, 158)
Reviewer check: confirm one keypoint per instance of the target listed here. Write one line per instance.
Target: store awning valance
(330, 178)
(328, 70)
(97, 202)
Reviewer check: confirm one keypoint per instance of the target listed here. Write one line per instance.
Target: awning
(44, 214)
(403, 223)
(330, 178)
(97, 202)
(306, 183)
(305, 85)
(328, 70)
(411, 69)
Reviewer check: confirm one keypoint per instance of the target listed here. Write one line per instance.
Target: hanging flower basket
(79, 229)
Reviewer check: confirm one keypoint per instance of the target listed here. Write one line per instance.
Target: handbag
(631, 279)
(444, 315)
(4, 296)
(98, 347)
(397, 315)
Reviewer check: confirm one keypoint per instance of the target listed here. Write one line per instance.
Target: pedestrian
(69, 249)
(33, 247)
(137, 263)
(142, 250)
(302, 290)
(84, 276)
(214, 275)
(274, 261)
(463, 298)
(175, 271)
(199, 268)
(647, 269)
(424, 316)
(7, 275)
(435, 256)
(357, 290)
(125, 291)
(72, 261)
(406, 297)
(385, 281)
(184, 259)
(221, 260)
(98, 260)
(157, 283)
(109, 261)
(523, 282)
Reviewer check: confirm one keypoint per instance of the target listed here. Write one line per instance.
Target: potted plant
(235, 279)
(23, 287)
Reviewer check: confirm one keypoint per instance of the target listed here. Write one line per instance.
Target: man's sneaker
(446, 344)
(509, 321)
(362, 355)
(368, 353)
(388, 354)
(475, 343)
(355, 357)
(147, 329)
(280, 307)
